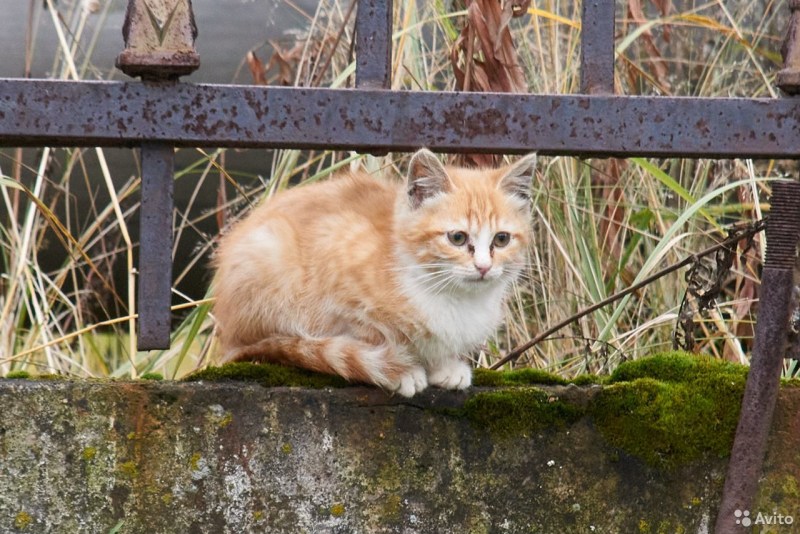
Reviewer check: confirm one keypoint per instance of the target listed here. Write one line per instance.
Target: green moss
(51, 376)
(518, 411)
(520, 377)
(337, 510)
(128, 469)
(790, 488)
(286, 448)
(790, 382)
(269, 375)
(677, 366)
(18, 375)
(671, 409)
(588, 380)
(89, 453)
(152, 376)
(22, 520)
(777, 489)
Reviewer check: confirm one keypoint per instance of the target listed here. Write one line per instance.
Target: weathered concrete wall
(233, 457)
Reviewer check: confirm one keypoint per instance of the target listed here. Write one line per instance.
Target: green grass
(598, 225)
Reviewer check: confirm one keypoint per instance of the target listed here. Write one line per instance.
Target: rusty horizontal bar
(60, 113)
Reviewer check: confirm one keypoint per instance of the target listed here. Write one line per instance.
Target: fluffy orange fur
(375, 280)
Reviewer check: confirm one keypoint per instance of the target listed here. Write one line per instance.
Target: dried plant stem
(758, 226)
(85, 330)
(62, 41)
(123, 227)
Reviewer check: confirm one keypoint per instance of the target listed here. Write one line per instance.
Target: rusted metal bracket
(771, 337)
(159, 47)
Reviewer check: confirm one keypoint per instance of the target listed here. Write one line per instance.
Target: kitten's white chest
(456, 323)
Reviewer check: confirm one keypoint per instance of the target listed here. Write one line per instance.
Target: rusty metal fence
(160, 113)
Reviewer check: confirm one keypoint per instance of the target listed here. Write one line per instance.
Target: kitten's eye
(501, 239)
(458, 238)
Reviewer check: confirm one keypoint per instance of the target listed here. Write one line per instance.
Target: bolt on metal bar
(374, 44)
(597, 47)
(155, 249)
(771, 336)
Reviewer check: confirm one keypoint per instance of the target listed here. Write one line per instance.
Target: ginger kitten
(376, 281)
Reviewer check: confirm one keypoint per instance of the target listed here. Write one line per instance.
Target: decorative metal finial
(159, 40)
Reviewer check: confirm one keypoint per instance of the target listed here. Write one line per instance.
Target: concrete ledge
(233, 457)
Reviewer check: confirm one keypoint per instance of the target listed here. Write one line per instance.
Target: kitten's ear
(517, 178)
(426, 177)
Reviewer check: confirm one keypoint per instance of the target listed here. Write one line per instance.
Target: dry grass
(600, 226)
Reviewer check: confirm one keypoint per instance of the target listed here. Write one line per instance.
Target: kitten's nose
(483, 269)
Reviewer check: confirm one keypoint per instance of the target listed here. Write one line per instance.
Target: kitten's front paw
(414, 381)
(454, 374)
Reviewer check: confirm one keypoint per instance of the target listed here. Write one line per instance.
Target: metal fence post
(159, 47)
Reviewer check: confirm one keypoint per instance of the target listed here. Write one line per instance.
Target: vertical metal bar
(159, 47)
(788, 78)
(155, 249)
(374, 44)
(597, 47)
(763, 380)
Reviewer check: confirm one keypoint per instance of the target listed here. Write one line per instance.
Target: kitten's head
(468, 228)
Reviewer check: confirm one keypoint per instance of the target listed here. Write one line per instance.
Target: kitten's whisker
(450, 282)
(418, 266)
(439, 285)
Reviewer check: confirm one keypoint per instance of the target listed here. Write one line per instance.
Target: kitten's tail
(340, 355)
